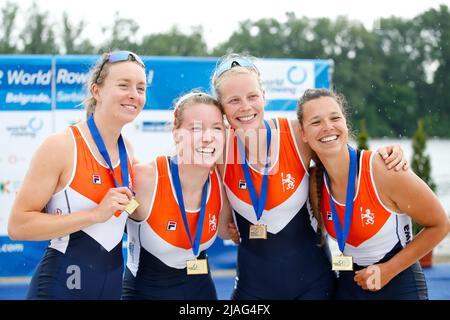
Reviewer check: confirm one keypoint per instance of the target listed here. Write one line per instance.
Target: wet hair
(189, 99)
(309, 95)
(235, 68)
(97, 75)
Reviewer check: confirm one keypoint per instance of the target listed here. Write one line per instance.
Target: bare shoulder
(144, 168)
(387, 181)
(304, 149)
(130, 150)
(57, 147)
(144, 173)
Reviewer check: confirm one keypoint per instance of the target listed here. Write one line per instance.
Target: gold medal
(258, 231)
(342, 263)
(196, 266)
(131, 206)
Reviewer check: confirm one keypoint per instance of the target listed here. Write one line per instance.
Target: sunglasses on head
(118, 56)
(231, 63)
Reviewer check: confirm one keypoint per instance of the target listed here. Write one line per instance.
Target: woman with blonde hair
(78, 187)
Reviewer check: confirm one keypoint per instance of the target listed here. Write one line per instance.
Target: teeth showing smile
(247, 118)
(328, 139)
(129, 106)
(206, 150)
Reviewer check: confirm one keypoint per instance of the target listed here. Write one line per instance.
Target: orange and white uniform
(376, 235)
(287, 182)
(97, 249)
(163, 233)
(375, 229)
(276, 268)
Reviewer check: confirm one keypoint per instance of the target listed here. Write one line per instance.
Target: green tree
(7, 21)
(435, 31)
(38, 36)
(175, 43)
(363, 136)
(73, 43)
(122, 35)
(420, 163)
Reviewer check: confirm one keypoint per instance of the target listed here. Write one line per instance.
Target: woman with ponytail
(367, 208)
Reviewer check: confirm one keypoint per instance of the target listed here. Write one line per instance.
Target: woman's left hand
(394, 157)
(373, 278)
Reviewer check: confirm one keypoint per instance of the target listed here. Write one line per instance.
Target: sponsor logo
(407, 231)
(33, 126)
(329, 216)
(171, 225)
(242, 185)
(96, 179)
(296, 75)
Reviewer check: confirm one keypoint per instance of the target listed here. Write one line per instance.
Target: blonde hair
(189, 99)
(217, 79)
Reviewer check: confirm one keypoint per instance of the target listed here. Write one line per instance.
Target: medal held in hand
(133, 204)
(258, 231)
(342, 262)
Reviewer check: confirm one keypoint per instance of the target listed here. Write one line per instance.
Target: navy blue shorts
(156, 281)
(289, 265)
(59, 277)
(410, 284)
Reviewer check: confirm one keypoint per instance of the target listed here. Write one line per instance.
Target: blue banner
(19, 258)
(25, 82)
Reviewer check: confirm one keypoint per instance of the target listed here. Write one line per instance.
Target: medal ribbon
(179, 193)
(342, 235)
(102, 149)
(258, 204)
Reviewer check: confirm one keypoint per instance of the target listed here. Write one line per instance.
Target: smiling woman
(357, 201)
(77, 188)
(181, 204)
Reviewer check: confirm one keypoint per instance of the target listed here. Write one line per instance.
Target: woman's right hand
(234, 233)
(115, 200)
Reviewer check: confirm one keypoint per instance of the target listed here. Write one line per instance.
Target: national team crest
(96, 179)
(287, 181)
(367, 217)
(212, 222)
(171, 225)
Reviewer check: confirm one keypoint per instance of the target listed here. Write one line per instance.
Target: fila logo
(96, 179)
(242, 185)
(329, 216)
(172, 226)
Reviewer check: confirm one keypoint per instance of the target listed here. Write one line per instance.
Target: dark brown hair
(309, 95)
